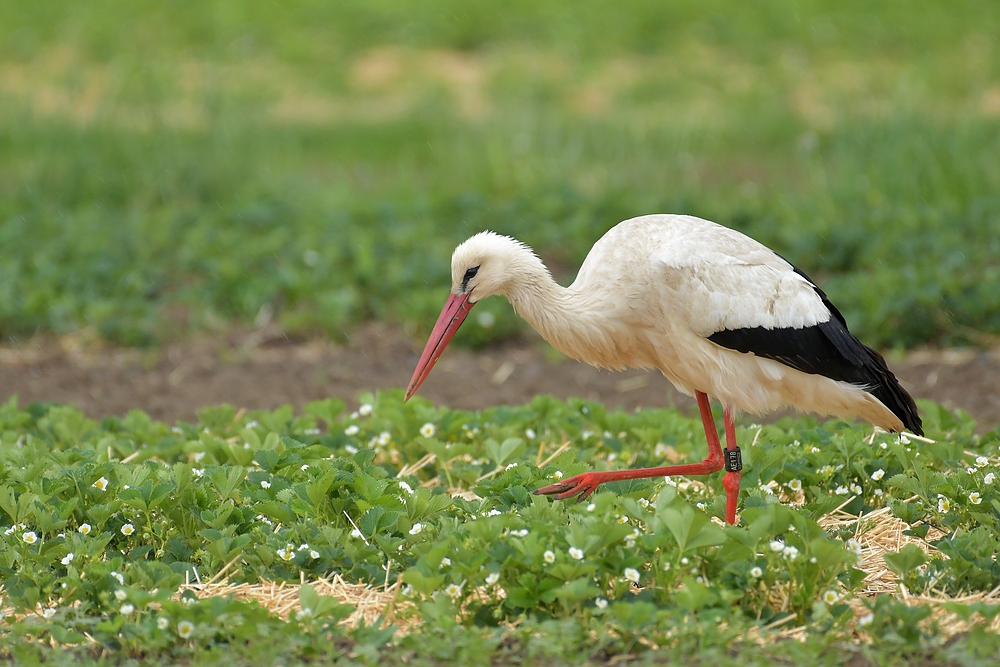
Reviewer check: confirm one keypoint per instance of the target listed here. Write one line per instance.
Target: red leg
(731, 480)
(584, 484)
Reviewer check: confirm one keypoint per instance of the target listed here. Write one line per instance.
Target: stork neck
(565, 317)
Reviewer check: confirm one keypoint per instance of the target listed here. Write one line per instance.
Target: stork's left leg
(584, 484)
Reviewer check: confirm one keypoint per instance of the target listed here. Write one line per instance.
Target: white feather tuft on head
(499, 263)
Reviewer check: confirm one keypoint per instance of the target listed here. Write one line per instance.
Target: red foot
(581, 485)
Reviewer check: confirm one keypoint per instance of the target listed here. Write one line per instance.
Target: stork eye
(469, 275)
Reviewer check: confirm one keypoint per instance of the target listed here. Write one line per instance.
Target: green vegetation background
(171, 167)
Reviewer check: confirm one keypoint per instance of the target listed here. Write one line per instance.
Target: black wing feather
(827, 349)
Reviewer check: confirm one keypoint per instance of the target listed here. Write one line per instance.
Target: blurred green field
(168, 168)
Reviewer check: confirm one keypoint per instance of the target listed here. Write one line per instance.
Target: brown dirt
(263, 369)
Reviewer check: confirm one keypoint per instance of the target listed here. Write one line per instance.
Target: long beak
(455, 310)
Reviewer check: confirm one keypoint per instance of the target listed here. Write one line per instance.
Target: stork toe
(581, 485)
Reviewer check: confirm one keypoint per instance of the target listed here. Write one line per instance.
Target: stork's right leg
(731, 480)
(584, 484)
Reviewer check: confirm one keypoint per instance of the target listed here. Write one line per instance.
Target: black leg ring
(734, 460)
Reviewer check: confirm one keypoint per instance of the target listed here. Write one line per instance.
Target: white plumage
(651, 292)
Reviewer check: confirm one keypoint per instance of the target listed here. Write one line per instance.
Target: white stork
(718, 313)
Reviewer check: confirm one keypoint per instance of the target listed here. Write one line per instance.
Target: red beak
(455, 310)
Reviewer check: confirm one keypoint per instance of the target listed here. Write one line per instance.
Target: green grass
(167, 170)
(103, 522)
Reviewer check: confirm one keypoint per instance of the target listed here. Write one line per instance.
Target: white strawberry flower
(943, 504)
(853, 546)
(185, 629)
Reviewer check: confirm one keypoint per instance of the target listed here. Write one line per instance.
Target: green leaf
(100, 514)
(445, 451)
(368, 487)
(267, 459)
(327, 409)
(521, 597)
(575, 591)
(509, 449)
(65, 635)
(227, 479)
(905, 560)
(425, 585)
(376, 519)
(9, 503)
(694, 596)
(317, 489)
(691, 528)
(275, 511)
(634, 616)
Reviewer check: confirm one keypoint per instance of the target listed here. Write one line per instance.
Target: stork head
(485, 264)
(488, 264)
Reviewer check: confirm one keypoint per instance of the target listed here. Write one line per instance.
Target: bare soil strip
(263, 369)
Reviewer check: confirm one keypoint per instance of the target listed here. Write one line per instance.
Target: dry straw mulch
(282, 598)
